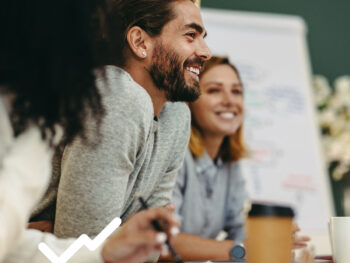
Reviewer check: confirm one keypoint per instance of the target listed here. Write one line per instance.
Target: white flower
(346, 157)
(327, 143)
(337, 127)
(344, 138)
(347, 128)
(327, 117)
(334, 118)
(342, 86)
(340, 100)
(335, 151)
(340, 171)
(322, 89)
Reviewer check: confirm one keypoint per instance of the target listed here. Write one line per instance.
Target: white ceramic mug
(339, 234)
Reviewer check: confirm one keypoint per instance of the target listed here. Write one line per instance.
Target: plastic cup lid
(260, 209)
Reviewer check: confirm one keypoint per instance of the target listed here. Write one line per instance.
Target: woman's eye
(210, 91)
(237, 91)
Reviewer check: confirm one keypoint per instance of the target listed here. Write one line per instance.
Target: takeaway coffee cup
(269, 234)
(339, 230)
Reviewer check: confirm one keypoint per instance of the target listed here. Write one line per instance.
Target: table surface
(242, 261)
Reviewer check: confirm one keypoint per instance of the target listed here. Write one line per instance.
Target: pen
(158, 227)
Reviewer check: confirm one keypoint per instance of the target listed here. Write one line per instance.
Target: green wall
(328, 28)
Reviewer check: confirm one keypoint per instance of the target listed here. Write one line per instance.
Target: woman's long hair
(232, 148)
(48, 51)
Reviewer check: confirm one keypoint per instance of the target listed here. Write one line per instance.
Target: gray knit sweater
(135, 154)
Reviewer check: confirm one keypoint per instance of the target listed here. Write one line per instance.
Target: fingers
(138, 238)
(299, 245)
(165, 250)
(132, 246)
(303, 238)
(171, 207)
(300, 242)
(141, 255)
(307, 255)
(150, 238)
(162, 215)
(295, 228)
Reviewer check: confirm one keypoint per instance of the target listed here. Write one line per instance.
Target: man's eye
(191, 34)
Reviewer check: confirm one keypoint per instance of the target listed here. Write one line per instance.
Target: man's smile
(194, 70)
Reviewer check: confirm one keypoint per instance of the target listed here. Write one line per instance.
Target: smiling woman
(210, 179)
(218, 114)
(210, 194)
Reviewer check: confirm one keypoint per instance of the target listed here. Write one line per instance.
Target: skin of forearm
(191, 247)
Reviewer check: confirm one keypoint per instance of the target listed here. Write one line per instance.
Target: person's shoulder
(189, 162)
(118, 88)
(123, 98)
(180, 107)
(176, 113)
(235, 172)
(234, 166)
(175, 122)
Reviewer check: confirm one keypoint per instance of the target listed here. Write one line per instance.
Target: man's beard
(168, 74)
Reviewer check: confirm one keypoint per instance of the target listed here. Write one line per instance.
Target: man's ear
(139, 42)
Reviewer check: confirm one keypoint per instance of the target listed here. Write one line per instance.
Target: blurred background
(328, 40)
(328, 28)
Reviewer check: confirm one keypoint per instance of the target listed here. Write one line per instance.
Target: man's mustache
(194, 62)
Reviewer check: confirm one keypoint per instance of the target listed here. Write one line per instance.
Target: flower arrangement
(334, 118)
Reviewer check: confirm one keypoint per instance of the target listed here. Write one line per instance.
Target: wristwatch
(237, 251)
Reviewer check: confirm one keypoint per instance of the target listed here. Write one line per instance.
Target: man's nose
(203, 51)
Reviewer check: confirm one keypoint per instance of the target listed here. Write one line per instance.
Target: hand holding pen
(136, 240)
(158, 227)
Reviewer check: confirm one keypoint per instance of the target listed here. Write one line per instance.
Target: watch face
(238, 252)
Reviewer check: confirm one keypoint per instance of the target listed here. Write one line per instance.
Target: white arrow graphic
(83, 240)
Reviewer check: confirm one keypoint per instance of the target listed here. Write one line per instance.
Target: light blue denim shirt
(209, 197)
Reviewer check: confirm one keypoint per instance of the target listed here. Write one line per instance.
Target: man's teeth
(227, 115)
(194, 70)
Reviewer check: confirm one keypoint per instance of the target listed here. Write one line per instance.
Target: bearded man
(145, 131)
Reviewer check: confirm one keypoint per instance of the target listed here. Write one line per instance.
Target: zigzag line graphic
(81, 241)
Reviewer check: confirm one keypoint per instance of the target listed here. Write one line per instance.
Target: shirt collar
(204, 163)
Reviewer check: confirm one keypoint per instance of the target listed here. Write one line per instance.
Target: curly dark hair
(48, 51)
(150, 15)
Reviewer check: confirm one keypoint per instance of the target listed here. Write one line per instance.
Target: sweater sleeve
(94, 178)
(179, 142)
(163, 194)
(27, 249)
(24, 174)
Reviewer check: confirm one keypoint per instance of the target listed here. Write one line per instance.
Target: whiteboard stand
(280, 128)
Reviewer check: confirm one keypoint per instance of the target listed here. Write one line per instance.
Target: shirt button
(198, 169)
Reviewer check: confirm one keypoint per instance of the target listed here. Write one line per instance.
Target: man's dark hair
(150, 15)
(48, 51)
